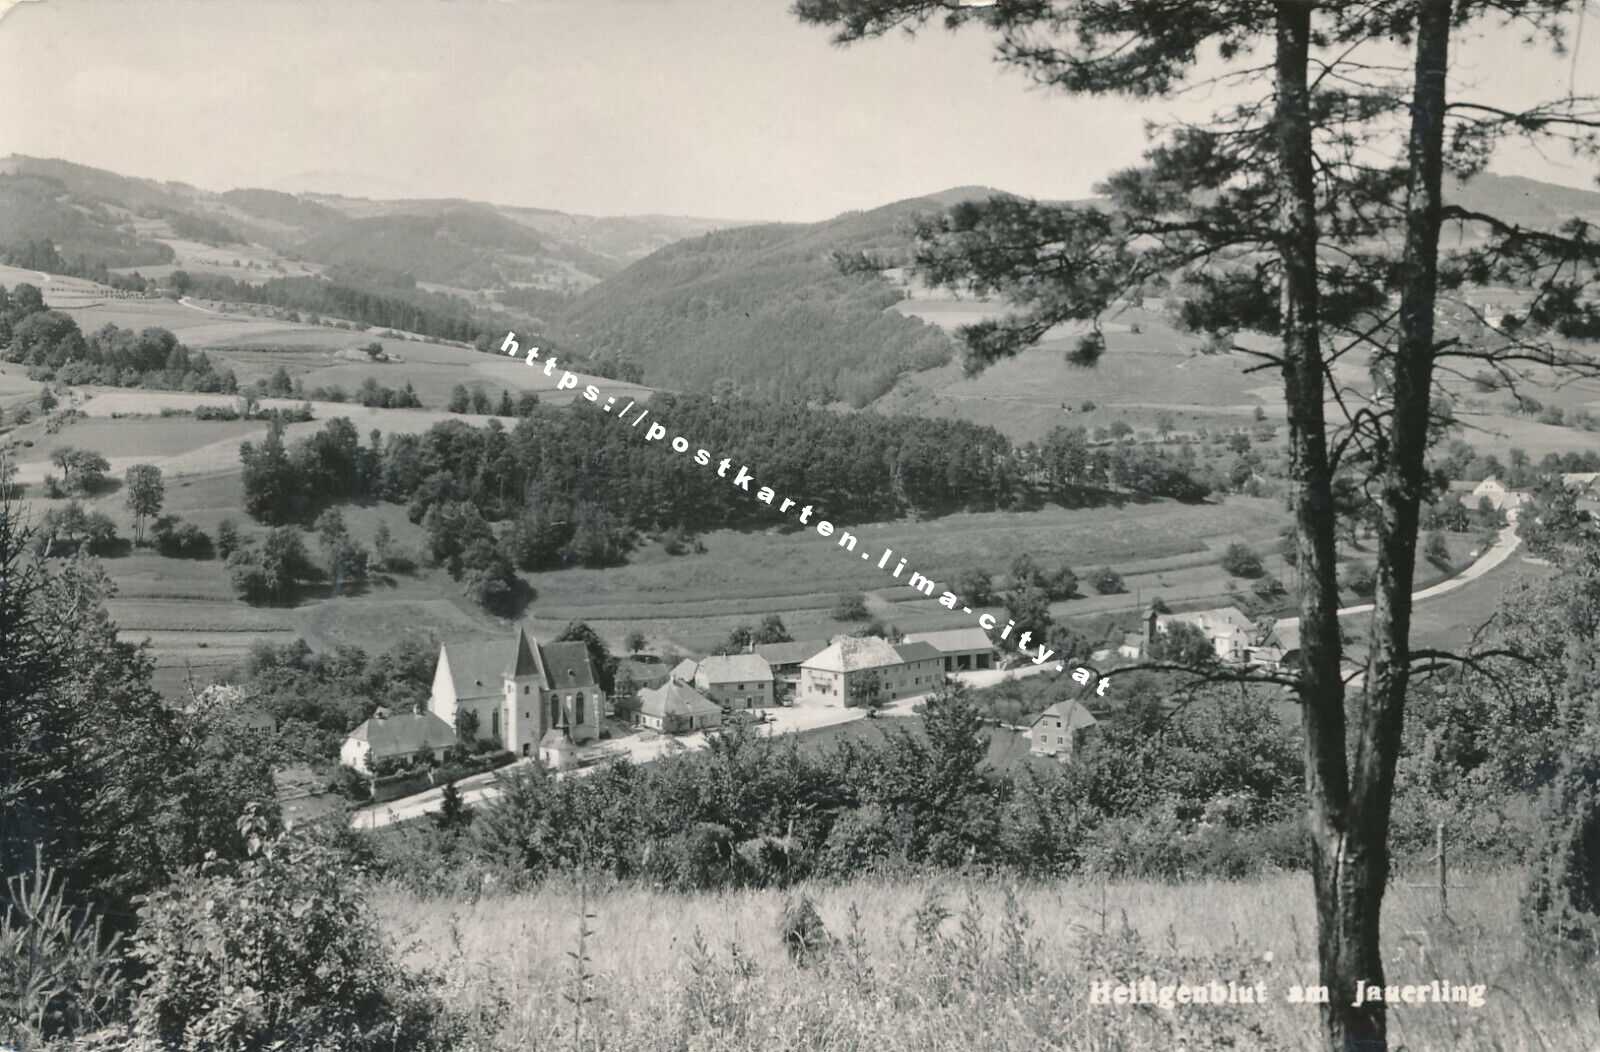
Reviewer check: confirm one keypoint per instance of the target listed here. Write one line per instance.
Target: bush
(1359, 578)
(1107, 581)
(280, 950)
(1268, 588)
(177, 539)
(850, 608)
(1436, 549)
(58, 977)
(1240, 560)
(1562, 900)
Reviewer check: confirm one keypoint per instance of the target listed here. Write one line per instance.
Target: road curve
(1497, 553)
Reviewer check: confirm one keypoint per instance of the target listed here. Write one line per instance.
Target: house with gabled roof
(862, 670)
(677, 708)
(1057, 730)
(518, 689)
(961, 648)
(735, 681)
(408, 736)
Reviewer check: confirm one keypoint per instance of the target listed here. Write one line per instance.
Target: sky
(725, 109)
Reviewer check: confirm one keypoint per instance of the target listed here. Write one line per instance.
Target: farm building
(856, 671)
(784, 658)
(677, 708)
(963, 649)
(1231, 633)
(518, 689)
(735, 681)
(406, 737)
(1057, 730)
(1498, 494)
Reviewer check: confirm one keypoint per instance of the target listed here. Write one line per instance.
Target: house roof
(684, 670)
(398, 735)
(1581, 479)
(850, 653)
(1219, 621)
(734, 668)
(954, 640)
(673, 698)
(1287, 633)
(1462, 486)
(1133, 639)
(918, 652)
(557, 738)
(790, 653)
(1072, 715)
(478, 667)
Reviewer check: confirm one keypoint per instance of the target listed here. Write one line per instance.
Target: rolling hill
(767, 309)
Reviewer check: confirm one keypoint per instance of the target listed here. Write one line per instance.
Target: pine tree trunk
(1345, 946)
(1367, 854)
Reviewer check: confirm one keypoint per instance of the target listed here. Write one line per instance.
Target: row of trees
(51, 345)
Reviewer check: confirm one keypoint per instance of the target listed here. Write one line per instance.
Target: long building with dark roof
(519, 689)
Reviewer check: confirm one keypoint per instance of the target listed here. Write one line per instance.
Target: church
(520, 690)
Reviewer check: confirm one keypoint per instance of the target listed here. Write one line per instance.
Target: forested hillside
(767, 308)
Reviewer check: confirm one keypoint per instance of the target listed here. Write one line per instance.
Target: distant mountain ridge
(451, 242)
(676, 302)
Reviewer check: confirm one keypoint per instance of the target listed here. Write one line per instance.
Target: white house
(1231, 633)
(735, 681)
(519, 689)
(1055, 731)
(406, 737)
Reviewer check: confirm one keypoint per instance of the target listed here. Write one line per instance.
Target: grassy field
(989, 981)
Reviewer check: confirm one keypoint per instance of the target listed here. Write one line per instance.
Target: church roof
(478, 667)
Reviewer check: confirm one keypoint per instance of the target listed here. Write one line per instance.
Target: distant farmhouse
(963, 649)
(406, 737)
(519, 690)
(1235, 638)
(1056, 731)
(735, 681)
(676, 708)
(1498, 494)
(855, 671)
(784, 660)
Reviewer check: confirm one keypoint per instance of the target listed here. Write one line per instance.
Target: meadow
(1008, 967)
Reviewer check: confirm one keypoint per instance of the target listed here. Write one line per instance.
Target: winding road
(1497, 553)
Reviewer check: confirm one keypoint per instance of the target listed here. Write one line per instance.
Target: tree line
(52, 346)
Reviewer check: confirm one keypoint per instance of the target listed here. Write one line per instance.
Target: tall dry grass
(711, 971)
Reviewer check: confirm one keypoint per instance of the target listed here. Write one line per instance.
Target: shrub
(1562, 900)
(1359, 578)
(1268, 588)
(177, 539)
(280, 950)
(58, 976)
(804, 936)
(1240, 560)
(1436, 549)
(227, 538)
(1107, 581)
(850, 608)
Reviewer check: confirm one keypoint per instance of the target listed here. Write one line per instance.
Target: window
(526, 689)
(555, 709)
(578, 712)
